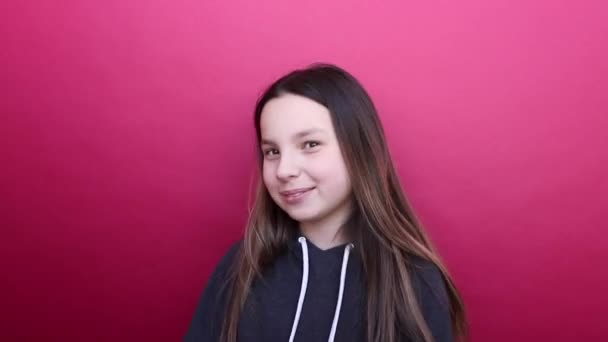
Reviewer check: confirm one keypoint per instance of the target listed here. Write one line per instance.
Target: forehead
(288, 115)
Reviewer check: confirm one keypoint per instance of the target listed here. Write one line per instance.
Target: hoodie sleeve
(209, 315)
(433, 298)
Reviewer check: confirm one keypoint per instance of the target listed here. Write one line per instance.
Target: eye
(311, 144)
(271, 152)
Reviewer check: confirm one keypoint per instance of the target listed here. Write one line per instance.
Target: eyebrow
(298, 135)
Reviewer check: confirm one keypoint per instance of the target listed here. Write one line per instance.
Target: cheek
(333, 173)
(267, 175)
(339, 180)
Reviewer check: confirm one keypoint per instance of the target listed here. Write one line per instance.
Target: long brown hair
(389, 230)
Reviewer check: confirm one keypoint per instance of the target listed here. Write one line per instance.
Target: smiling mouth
(296, 195)
(295, 191)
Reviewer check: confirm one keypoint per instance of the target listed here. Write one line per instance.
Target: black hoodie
(271, 310)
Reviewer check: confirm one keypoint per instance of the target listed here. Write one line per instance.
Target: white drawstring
(334, 325)
(294, 327)
(341, 292)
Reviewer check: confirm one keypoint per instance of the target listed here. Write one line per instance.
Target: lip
(295, 196)
(295, 191)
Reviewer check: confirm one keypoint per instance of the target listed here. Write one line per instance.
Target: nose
(288, 167)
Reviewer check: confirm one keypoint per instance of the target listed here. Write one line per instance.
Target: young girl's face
(303, 168)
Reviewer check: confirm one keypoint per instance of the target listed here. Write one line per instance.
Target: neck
(323, 238)
(327, 232)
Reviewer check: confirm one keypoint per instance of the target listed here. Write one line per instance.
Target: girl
(332, 250)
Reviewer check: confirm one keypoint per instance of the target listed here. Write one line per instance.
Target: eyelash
(308, 142)
(312, 142)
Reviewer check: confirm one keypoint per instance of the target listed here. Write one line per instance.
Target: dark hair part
(386, 225)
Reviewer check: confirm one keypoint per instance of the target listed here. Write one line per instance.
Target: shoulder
(426, 273)
(221, 272)
(428, 280)
(431, 290)
(228, 259)
(232, 251)
(206, 323)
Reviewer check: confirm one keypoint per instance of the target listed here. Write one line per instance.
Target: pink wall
(125, 151)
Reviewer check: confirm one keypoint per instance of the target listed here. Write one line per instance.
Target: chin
(302, 215)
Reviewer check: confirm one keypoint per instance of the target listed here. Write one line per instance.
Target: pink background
(126, 151)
